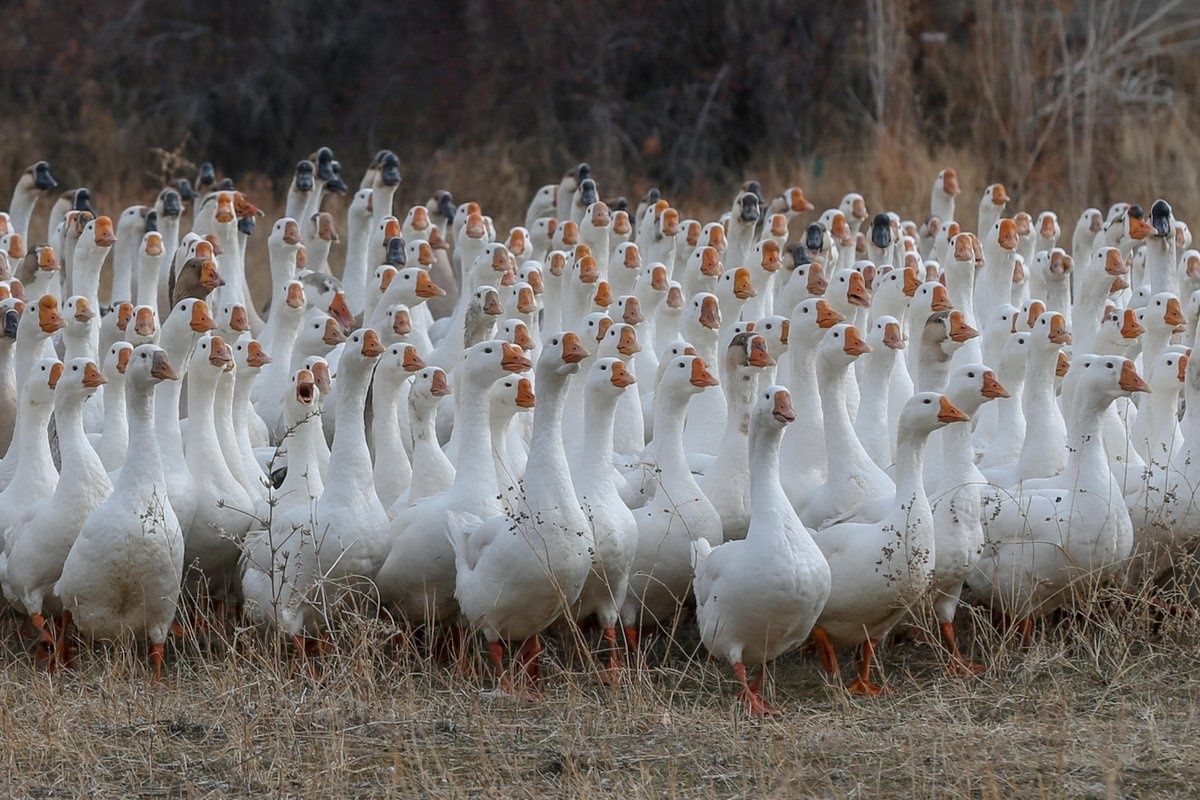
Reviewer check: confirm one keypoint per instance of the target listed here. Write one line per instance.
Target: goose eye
(681, 365)
(604, 369)
(836, 335)
(1110, 366)
(768, 326)
(926, 402)
(75, 369)
(970, 374)
(487, 349)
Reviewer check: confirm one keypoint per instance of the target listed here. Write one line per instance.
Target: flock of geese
(802, 426)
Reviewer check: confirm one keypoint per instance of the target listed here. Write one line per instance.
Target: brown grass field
(1103, 705)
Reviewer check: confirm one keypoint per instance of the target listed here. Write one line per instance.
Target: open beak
(827, 316)
(219, 354)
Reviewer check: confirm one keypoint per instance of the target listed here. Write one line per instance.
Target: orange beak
(340, 311)
(658, 278)
(401, 323)
(1058, 330)
(426, 288)
(526, 303)
(628, 344)
(743, 287)
(588, 271)
(224, 208)
(692, 233)
(992, 388)
(670, 222)
(412, 362)
(92, 377)
(710, 262)
(1183, 362)
(438, 385)
(1130, 327)
(16, 246)
(911, 282)
(1008, 238)
(892, 337)
(153, 244)
(83, 311)
(857, 294)
(603, 298)
(202, 321)
(534, 279)
(219, 354)
(291, 232)
(1113, 264)
(1138, 228)
(1036, 309)
(759, 356)
(620, 223)
(1063, 366)
(710, 313)
(855, 345)
(386, 276)
(491, 304)
(950, 413)
(209, 277)
(785, 330)
(602, 328)
(239, 321)
(701, 377)
(950, 182)
(674, 297)
(144, 323)
(782, 409)
(816, 283)
(305, 383)
(204, 249)
(512, 358)
(960, 331)
(49, 320)
(1174, 314)
(56, 372)
(570, 233)
(558, 263)
(124, 314)
(999, 195)
(123, 357)
(797, 202)
(105, 235)
(941, 299)
(161, 368)
(600, 215)
(632, 315)
(425, 255)
(716, 238)
(573, 350)
(621, 377)
(1024, 223)
(522, 339)
(525, 396)
(827, 316)
(295, 295)
(1130, 381)
(256, 356)
(371, 346)
(475, 227)
(47, 260)
(320, 371)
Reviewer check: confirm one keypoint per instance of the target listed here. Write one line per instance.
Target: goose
(945, 190)
(726, 482)
(283, 327)
(791, 202)
(507, 398)
(994, 284)
(11, 309)
(249, 358)
(1083, 239)
(278, 566)
(319, 239)
(130, 228)
(149, 257)
(543, 205)
(759, 597)
(418, 575)
(593, 231)
(35, 182)
(37, 545)
(871, 424)
(879, 570)
(850, 474)
(735, 288)
(991, 206)
(1155, 434)
(1162, 318)
(357, 264)
(1005, 446)
(1053, 541)
(393, 472)
(513, 586)
(39, 273)
(680, 513)
(32, 475)
(214, 534)
(143, 329)
(597, 487)
(566, 189)
(432, 471)
(112, 445)
(767, 259)
(954, 484)
(123, 572)
(624, 267)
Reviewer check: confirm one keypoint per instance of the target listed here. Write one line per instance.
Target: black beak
(396, 256)
(11, 320)
(186, 193)
(304, 176)
(42, 178)
(172, 201)
(246, 225)
(653, 196)
(583, 172)
(151, 220)
(800, 255)
(226, 185)
(83, 201)
(208, 175)
(587, 192)
(446, 207)
(336, 184)
(756, 187)
(618, 204)
(814, 236)
(749, 208)
(881, 231)
(389, 168)
(325, 164)
(1160, 218)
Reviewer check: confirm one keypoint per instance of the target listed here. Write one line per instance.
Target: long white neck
(21, 209)
(303, 479)
(547, 481)
(1161, 265)
(145, 466)
(349, 457)
(843, 449)
(115, 441)
(85, 271)
(203, 450)
(147, 280)
(34, 461)
(594, 464)
(354, 273)
(910, 467)
(81, 466)
(961, 288)
(475, 479)
(766, 493)
(670, 412)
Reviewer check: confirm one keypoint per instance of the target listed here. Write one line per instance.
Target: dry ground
(1106, 706)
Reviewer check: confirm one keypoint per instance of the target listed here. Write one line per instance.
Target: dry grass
(1100, 707)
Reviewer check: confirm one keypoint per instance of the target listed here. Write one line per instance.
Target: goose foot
(156, 660)
(829, 662)
(64, 651)
(750, 694)
(529, 659)
(496, 654)
(862, 685)
(958, 666)
(1025, 632)
(44, 648)
(614, 671)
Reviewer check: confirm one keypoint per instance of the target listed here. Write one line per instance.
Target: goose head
(944, 332)
(1163, 314)
(926, 412)
(1050, 330)
(1031, 309)
(1024, 224)
(970, 386)
(1168, 372)
(881, 231)
(773, 409)
(684, 375)
(946, 183)
(324, 227)
(148, 367)
(1162, 221)
(747, 351)
(144, 327)
(43, 379)
(850, 289)
(515, 331)
(44, 315)
(429, 387)
(386, 169)
(399, 321)
(1183, 235)
(488, 361)
(319, 367)
(628, 309)
(325, 292)
(400, 360)
(509, 396)
(566, 235)
(196, 278)
(211, 358)
(703, 319)
(594, 326)
(285, 235)
(854, 207)
(930, 298)
(13, 246)
(116, 362)
(485, 301)
(320, 334)
(841, 345)
(776, 330)
(233, 320)
(809, 321)
(1107, 377)
(627, 256)
(561, 354)
(995, 198)
(520, 299)
(97, 238)
(531, 273)
(620, 227)
(1047, 227)
(619, 341)
(735, 286)
(609, 377)
(249, 356)
(362, 351)
(305, 396)
(11, 309)
(768, 255)
(791, 201)
(655, 278)
(36, 178)
(79, 313)
(1119, 329)
(886, 332)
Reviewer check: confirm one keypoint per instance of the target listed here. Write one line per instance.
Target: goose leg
(755, 704)
(45, 641)
(613, 669)
(958, 664)
(1025, 632)
(529, 657)
(862, 684)
(64, 653)
(156, 659)
(829, 662)
(300, 642)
